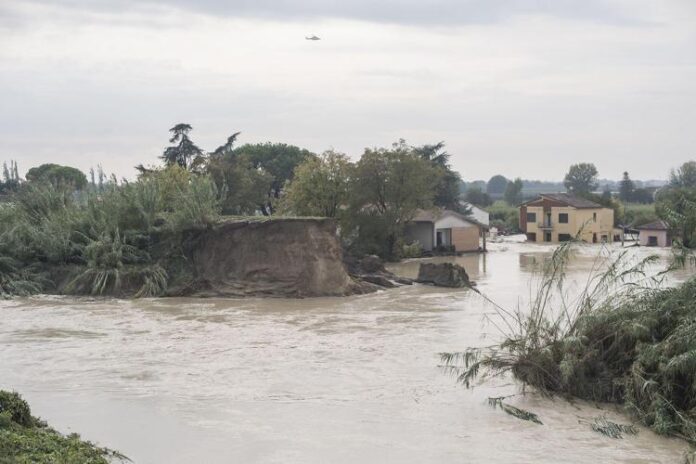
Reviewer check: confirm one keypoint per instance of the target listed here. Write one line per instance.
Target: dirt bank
(286, 257)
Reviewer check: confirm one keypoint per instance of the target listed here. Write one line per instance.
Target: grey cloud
(408, 12)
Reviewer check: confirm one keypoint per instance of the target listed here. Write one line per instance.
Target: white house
(445, 228)
(480, 215)
(654, 234)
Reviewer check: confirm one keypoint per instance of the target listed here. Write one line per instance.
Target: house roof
(567, 199)
(655, 225)
(432, 215)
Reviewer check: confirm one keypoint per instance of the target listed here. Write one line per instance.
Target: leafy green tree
(684, 176)
(626, 188)
(320, 186)
(388, 187)
(184, 152)
(496, 185)
(278, 161)
(478, 197)
(10, 178)
(513, 192)
(676, 204)
(581, 178)
(447, 190)
(58, 176)
(245, 187)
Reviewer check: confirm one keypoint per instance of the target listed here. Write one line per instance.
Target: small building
(558, 217)
(656, 234)
(479, 215)
(445, 229)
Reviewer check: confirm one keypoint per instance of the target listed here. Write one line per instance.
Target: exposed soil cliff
(284, 257)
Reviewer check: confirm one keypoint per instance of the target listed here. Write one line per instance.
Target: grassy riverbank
(26, 439)
(625, 339)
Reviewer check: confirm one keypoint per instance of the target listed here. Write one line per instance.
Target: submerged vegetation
(26, 439)
(624, 338)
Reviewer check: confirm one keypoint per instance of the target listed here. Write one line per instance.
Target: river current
(325, 380)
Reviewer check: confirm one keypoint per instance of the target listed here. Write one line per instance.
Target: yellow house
(558, 217)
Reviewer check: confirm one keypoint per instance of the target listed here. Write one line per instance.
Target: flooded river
(328, 380)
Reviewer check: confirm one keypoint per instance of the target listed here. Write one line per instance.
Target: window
(563, 237)
(531, 237)
(563, 218)
(594, 217)
(605, 238)
(652, 240)
(531, 217)
(547, 236)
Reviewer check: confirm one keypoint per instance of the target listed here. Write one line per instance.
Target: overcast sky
(518, 87)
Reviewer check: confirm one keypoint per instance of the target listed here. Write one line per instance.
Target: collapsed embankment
(286, 257)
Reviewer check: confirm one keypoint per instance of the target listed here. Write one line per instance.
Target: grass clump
(624, 338)
(26, 439)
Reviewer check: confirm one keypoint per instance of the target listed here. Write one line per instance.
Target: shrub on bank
(626, 339)
(26, 439)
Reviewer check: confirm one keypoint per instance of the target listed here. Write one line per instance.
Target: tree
(626, 188)
(388, 187)
(276, 160)
(447, 190)
(58, 176)
(581, 178)
(10, 177)
(478, 197)
(513, 192)
(684, 176)
(184, 152)
(496, 185)
(244, 186)
(676, 204)
(320, 186)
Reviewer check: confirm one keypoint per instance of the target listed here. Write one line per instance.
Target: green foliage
(184, 153)
(320, 186)
(447, 188)
(513, 192)
(636, 214)
(278, 162)
(624, 339)
(496, 185)
(10, 178)
(478, 197)
(504, 216)
(26, 439)
(388, 188)
(581, 178)
(119, 240)
(64, 177)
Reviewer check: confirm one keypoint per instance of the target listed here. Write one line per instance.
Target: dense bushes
(119, 240)
(624, 339)
(26, 439)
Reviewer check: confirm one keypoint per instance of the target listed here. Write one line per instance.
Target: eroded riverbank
(316, 380)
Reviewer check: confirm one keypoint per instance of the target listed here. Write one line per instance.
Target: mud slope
(285, 257)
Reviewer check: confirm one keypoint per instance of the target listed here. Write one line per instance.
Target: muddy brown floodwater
(339, 380)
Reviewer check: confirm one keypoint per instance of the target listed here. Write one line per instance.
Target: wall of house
(464, 235)
(662, 237)
(577, 219)
(602, 227)
(465, 238)
(423, 232)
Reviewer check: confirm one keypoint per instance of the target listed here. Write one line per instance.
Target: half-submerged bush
(26, 439)
(625, 339)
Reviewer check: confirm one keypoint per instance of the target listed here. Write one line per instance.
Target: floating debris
(497, 402)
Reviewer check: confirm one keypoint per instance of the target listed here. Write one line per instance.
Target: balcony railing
(545, 225)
